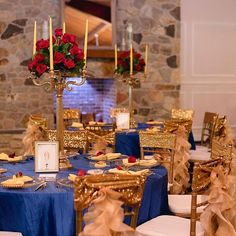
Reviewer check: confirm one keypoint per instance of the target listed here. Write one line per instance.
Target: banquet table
(50, 212)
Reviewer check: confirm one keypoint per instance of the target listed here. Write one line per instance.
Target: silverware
(41, 186)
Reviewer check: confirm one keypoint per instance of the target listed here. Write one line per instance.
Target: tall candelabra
(131, 80)
(58, 82)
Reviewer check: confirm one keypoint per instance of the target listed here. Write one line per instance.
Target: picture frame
(123, 120)
(46, 156)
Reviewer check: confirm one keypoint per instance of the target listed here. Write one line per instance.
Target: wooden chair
(73, 140)
(162, 144)
(208, 127)
(130, 186)
(182, 114)
(169, 225)
(70, 116)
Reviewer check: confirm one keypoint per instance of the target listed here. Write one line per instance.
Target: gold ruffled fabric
(105, 216)
(33, 133)
(218, 215)
(181, 175)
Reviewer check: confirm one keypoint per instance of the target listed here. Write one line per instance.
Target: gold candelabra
(58, 81)
(131, 80)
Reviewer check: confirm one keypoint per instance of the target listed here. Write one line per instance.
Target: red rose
(58, 57)
(74, 50)
(39, 57)
(81, 173)
(141, 62)
(99, 153)
(31, 65)
(68, 38)
(41, 68)
(42, 44)
(79, 56)
(132, 159)
(137, 55)
(119, 167)
(58, 32)
(138, 67)
(69, 63)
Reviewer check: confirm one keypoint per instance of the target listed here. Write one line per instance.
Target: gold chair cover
(70, 116)
(73, 140)
(216, 219)
(162, 145)
(182, 114)
(172, 126)
(105, 216)
(129, 186)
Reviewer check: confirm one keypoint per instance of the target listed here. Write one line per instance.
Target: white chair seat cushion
(182, 203)
(200, 154)
(7, 233)
(166, 225)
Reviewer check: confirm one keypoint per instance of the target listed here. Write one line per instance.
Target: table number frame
(46, 156)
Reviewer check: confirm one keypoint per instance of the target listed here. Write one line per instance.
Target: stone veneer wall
(157, 23)
(18, 97)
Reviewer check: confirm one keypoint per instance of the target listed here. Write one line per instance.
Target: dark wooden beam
(92, 8)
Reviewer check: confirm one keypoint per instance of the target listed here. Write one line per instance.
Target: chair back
(201, 182)
(208, 127)
(131, 188)
(73, 140)
(162, 144)
(172, 126)
(38, 120)
(220, 123)
(222, 150)
(182, 114)
(70, 116)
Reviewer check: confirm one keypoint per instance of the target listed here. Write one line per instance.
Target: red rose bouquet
(67, 56)
(123, 63)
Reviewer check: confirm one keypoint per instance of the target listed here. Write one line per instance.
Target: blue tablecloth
(50, 212)
(128, 143)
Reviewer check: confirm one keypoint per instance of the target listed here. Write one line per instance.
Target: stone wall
(156, 23)
(18, 97)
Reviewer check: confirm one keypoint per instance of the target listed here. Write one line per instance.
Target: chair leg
(134, 217)
(79, 220)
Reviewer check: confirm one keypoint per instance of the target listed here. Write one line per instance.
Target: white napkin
(147, 163)
(77, 125)
(130, 172)
(108, 156)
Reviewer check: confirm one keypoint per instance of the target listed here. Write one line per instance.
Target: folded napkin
(77, 125)
(108, 156)
(3, 157)
(72, 177)
(16, 181)
(127, 163)
(148, 163)
(128, 172)
(154, 122)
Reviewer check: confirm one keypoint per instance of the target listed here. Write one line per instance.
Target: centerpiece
(55, 61)
(130, 67)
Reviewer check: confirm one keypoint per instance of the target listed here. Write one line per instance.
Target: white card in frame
(46, 156)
